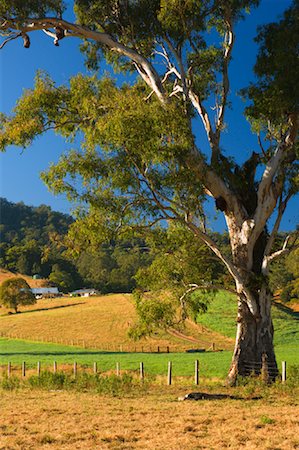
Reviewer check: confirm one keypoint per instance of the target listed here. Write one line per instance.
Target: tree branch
(250, 300)
(281, 209)
(283, 251)
(228, 47)
(10, 38)
(145, 68)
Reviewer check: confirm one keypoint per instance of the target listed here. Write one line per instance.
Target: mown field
(154, 420)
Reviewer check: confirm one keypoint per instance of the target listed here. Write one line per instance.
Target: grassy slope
(6, 274)
(221, 318)
(107, 318)
(102, 322)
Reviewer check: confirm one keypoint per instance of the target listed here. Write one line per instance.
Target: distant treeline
(33, 241)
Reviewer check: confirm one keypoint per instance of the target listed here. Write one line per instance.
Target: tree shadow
(63, 353)
(205, 396)
(44, 309)
(287, 310)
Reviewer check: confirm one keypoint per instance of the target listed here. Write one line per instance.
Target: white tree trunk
(254, 350)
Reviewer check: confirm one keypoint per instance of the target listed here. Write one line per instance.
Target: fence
(111, 347)
(74, 369)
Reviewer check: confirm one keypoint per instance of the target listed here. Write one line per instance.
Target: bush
(110, 385)
(10, 383)
(48, 380)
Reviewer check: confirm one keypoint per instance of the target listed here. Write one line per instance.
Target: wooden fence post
(95, 368)
(38, 368)
(117, 369)
(23, 369)
(141, 371)
(284, 371)
(75, 369)
(9, 369)
(55, 367)
(169, 374)
(196, 374)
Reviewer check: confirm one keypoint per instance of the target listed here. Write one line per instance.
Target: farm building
(84, 293)
(46, 292)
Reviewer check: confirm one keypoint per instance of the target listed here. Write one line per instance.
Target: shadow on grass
(43, 309)
(63, 353)
(205, 396)
(287, 310)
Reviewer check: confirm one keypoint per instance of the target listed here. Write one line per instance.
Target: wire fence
(93, 344)
(24, 369)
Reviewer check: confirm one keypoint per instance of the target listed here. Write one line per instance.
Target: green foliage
(275, 95)
(10, 383)
(176, 284)
(30, 8)
(265, 420)
(106, 385)
(153, 312)
(284, 277)
(62, 279)
(16, 292)
(49, 380)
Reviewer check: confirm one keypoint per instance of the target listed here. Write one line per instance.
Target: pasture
(141, 415)
(99, 322)
(154, 420)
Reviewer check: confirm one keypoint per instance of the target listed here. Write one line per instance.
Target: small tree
(15, 292)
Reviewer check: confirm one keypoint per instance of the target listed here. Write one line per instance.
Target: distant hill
(22, 222)
(32, 241)
(28, 234)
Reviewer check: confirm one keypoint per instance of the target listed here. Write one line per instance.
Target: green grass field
(17, 351)
(212, 364)
(221, 317)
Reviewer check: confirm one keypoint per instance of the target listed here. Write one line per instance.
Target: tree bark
(254, 350)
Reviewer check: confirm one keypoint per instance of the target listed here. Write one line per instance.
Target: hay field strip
(98, 322)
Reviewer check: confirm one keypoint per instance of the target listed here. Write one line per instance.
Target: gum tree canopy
(140, 163)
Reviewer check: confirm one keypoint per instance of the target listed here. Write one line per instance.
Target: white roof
(45, 290)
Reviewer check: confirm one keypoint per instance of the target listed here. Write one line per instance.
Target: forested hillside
(33, 242)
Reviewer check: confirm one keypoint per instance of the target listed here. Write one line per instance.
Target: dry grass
(6, 274)
(59, 420)
(99, 322)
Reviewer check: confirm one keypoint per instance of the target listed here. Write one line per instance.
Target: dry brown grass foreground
(67, 420)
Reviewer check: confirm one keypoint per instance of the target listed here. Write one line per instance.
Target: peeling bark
(254, 350)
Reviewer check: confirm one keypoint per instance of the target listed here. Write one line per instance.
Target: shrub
(10, 383)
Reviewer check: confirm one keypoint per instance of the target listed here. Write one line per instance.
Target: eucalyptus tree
(140, 162)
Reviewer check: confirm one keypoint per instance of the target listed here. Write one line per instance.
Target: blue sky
(19, 170)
